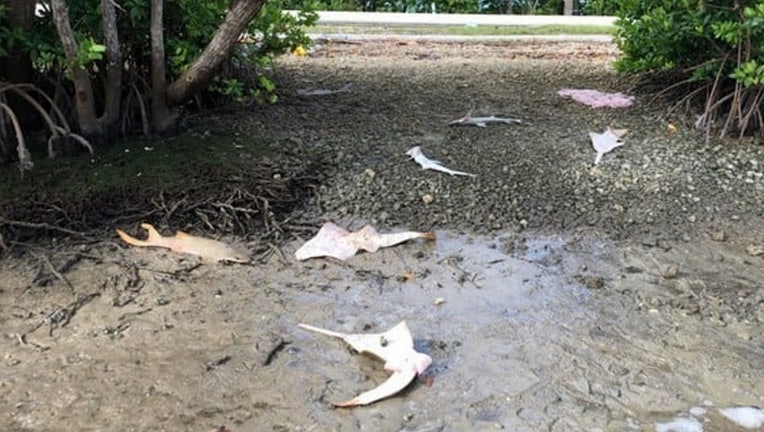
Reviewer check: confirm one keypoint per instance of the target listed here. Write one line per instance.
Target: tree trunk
(198, 75)
(162, 117)
(83, 90)
(567, 8)
(113, 86)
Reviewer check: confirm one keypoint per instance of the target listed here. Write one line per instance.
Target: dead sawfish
(468, 120)
(337, 242)
(396, 348)
(208, 249)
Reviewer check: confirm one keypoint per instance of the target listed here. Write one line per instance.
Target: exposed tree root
(256, 204)
(55, 120)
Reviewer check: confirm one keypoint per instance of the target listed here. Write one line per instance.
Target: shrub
(712, 46)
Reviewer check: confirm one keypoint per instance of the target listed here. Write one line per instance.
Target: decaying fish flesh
(208, 249)
(337, 242)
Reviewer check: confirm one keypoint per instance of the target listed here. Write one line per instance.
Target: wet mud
(527, 332)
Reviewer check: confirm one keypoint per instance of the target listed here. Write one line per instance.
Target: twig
(277, 347)
(60, 317)
(44, 258)
(42, 225)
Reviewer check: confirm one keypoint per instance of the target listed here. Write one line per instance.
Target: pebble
(595, 283)
(535, 177)
(719, 236)
(670, 271)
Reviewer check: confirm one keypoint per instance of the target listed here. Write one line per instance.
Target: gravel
(667, 179)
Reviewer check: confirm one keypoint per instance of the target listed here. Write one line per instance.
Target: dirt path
(608, 326)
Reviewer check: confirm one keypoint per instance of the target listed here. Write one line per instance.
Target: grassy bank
(458, 30)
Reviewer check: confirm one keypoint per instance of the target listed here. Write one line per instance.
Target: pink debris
(598, 99)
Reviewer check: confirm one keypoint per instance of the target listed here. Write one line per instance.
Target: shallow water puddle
(519, 341)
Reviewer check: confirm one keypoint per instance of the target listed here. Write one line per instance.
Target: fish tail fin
(429, 235)
(129, 239)
(154, 235)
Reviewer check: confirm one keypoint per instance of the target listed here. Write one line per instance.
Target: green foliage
(714, 43)
(684, 34)
(599, 7)
(330, 5)
(275, 33)
(189, 26)
(278, 32)
(89, 52)
(749, 73)
(9, 37)
(588, 7)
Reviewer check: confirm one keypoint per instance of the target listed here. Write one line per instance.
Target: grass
(457, 30)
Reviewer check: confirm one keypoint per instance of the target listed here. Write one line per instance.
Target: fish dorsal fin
(181, 234)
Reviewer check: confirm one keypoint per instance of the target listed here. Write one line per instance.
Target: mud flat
(557, 297)
(526, 333)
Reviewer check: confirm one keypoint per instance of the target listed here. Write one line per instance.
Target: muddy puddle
(526, 332)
